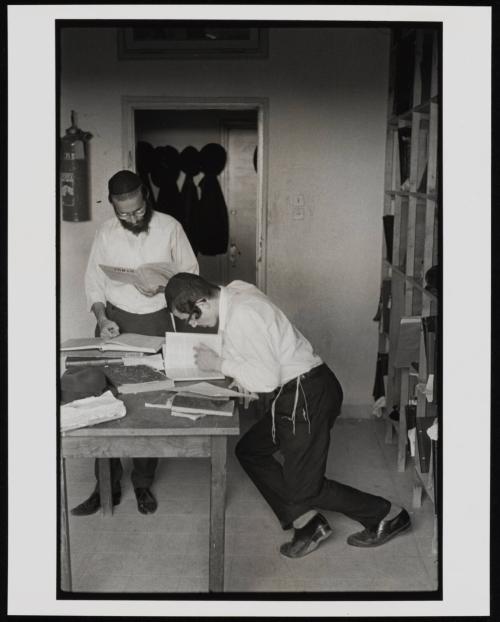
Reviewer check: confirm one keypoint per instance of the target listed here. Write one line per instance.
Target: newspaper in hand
(149, 276)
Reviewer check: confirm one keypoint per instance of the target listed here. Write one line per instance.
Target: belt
(312, 373)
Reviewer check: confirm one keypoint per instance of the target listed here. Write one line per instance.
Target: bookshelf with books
(410, 272)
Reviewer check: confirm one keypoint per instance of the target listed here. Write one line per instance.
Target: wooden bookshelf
(411, 204)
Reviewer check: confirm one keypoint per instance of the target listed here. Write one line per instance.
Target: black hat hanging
(144, 160)
(190, 165)
(164, 174)
(213, 221)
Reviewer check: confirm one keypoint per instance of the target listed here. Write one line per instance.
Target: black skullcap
(123, 182)
(213, 159)
(190, 161)
(77, 383)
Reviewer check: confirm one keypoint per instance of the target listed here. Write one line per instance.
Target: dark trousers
(300, 485)
(157, 323)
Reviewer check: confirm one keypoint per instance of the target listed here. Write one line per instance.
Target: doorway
(239, 127)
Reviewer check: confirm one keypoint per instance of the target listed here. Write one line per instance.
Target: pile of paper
(91, 410)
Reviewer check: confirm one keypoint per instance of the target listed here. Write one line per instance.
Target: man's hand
(108, 328)
(152, 278)
(149, 291)
(206, 358)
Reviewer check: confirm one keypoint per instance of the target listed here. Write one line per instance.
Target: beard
(142, 225)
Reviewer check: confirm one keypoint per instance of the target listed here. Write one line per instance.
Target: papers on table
(178, 355)
(144, 387)
(211, 390)
(91, 410)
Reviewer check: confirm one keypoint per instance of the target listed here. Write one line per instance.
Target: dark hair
(184, 290)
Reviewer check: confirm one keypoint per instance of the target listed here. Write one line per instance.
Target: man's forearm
(99, 310)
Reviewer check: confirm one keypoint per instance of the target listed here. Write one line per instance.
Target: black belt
(312, 373)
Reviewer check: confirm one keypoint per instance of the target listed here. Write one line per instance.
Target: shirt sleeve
(95, 279)
(182, 253)
(249, 352)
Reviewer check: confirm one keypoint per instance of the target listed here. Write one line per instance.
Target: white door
(240, 181)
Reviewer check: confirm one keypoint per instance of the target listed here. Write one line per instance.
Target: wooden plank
(65, 551)
(217, 514)
(403, 430)
(104, 467)
(137, 446)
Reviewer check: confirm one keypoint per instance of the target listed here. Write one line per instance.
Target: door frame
(131, 103)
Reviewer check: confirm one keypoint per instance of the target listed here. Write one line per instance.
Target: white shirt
(115, 246)
(260, 347)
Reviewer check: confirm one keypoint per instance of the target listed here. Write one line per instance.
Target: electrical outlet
(298, 213)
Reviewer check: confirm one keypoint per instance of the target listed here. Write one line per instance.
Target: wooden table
(152, 432)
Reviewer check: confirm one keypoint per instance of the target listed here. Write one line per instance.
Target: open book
(128, 342)
(178, 355)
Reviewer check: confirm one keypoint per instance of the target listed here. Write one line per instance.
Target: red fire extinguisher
(74, 173)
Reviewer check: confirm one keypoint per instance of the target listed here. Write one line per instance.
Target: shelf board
(411, 280)
(423, 108)
(425, 479)
(432, 196)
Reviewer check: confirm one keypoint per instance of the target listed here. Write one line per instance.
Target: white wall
(327, 93)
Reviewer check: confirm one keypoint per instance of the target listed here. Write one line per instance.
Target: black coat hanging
(164, 175)
(190, 165)
(144, 161)
(213, 222)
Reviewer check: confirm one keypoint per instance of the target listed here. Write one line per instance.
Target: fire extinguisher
(74, 173)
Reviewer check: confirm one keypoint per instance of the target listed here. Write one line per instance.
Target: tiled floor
(168, 551)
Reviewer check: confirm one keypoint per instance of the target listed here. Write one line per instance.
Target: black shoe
(93, 503)
(146, 503)
(383, 532)
(307, 539)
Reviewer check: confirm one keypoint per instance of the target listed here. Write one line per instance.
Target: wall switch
(298, 213)
(298, 200)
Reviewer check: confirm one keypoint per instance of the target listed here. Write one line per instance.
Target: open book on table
(178, 355)
(128, 342)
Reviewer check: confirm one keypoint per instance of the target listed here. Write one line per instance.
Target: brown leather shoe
(383, 532)
(308, 538)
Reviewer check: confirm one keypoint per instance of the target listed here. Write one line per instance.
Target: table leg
(66, 583)
(217, 513)
(105, 486)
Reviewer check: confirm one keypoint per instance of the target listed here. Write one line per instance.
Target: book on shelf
(129, 342)
(178, 355)
(408, 341)
(382, 369)
(424, 442)
(388, 221)
(196, 405)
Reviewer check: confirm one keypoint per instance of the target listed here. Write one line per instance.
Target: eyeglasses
(194, 315)
(138, 213)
